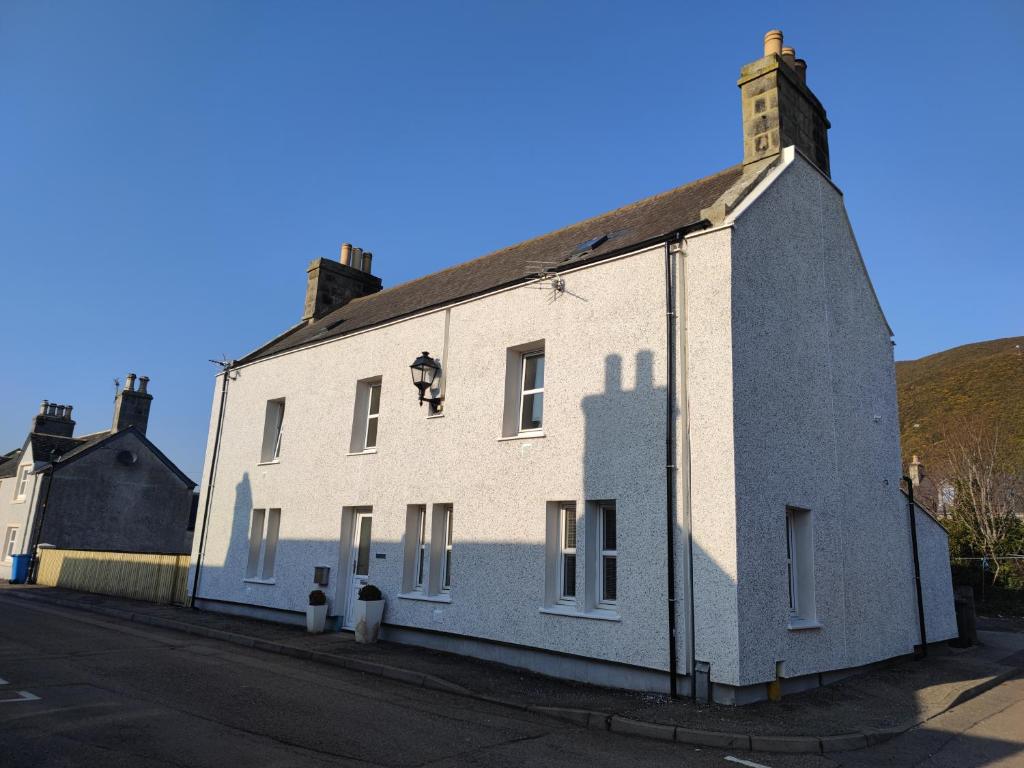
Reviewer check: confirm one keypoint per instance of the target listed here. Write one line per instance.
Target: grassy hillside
(984, 380)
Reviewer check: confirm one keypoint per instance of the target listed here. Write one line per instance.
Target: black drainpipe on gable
(673, 247)
(923, 651)
(226, 373)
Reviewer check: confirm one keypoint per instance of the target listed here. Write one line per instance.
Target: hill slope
(983, 380)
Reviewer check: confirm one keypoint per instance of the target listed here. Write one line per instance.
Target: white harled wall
(604, 418)
(17, 513)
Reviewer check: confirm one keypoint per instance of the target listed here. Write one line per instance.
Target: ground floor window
(800, 565)
(10, 544)
(263, 534)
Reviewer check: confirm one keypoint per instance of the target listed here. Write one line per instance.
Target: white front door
(360, 557)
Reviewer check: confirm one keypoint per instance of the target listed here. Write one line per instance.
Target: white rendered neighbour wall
(604, 418)
(17, 513)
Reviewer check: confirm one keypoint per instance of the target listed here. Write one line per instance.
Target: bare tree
(987, 491)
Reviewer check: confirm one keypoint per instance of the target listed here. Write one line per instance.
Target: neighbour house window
(10, 544)
(567, 553)
(273, 428)
(263, 536)
(531, 408)
(799, 566)
(609, 587)
(21, 486)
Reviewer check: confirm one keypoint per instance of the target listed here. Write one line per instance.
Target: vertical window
(372, 416)
(446, 581)
(263, 535)
(273, 429)
(609, 586)
(800, 566)
(415, 574)
(567, 553)
(531, 408)
(21, 486)
(10, 544)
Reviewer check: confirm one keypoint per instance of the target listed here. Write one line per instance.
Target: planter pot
(316, 617)
(368, 616)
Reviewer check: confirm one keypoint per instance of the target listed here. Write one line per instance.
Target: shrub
(317, 597)
(369, 592)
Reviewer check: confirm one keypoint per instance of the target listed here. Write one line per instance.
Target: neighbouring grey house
(659, 448)
(111, 490)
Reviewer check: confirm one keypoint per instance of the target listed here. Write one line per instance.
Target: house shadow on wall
(610, 419)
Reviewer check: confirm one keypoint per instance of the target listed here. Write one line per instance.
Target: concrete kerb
(580, 717)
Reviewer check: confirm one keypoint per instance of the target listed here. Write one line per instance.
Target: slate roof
(9, 463)
(645, 222)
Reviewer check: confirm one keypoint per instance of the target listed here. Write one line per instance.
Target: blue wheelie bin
(19, 568)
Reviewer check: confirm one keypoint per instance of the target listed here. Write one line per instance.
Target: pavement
(903, 697)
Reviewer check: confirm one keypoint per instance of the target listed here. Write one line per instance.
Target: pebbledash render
(677, 419)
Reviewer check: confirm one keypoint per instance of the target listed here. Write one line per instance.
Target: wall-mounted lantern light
(424, 370)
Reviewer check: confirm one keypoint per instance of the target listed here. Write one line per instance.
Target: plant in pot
(316, 611)
(368, 614)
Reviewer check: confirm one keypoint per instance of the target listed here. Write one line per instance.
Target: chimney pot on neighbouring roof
(346, 253)
(801, 69)
(129, 382)
(43, 406)
(367, 262)
(355, 258)
(143, 383)
(789, 55)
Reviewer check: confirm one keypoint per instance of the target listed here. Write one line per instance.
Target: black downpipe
(670, 475)
(917, 570)
(209, 485)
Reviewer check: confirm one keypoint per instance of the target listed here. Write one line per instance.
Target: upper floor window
(524, 390)
(273, 428)
(21, 485)
(531, 412)
(366, 417)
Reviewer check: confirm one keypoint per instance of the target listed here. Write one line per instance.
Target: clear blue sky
(169, 169)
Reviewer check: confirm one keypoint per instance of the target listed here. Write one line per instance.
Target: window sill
(436, 415)
(445, 598)
(362, 453)
(522, 436)
(601, 614)
(268, 582)
(268, 463)
(19, 501)
(796, 624)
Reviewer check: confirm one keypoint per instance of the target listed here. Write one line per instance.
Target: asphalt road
(83, 690)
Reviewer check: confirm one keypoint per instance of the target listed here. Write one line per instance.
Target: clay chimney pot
(773, 42)
(346, 253)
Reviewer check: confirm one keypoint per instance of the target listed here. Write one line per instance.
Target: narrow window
(800, 566)
(415, 548)
(446, 582)
(263, 535)
(20, 489)
(609, 588)
(567, 553)
(531, 408)
(372, 416)
(273, 429)
(10, 544)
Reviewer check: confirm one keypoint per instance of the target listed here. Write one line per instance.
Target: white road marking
(2, 681)
(22, 696)
(732, 759)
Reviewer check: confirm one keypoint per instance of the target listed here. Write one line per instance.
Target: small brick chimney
(53, 419)
(779, 109)
(333, 284)
(131, 406)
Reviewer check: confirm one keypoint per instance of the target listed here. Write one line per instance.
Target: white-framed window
(21, 485)
(531, 397)
(10, 544)
(567, 530)
(273, 431)
(372, 416)
(446, 574)
(800, 566)
(416, 548)
(263, 535)
(608, 589)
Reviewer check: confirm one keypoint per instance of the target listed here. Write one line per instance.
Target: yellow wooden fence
(138, 575)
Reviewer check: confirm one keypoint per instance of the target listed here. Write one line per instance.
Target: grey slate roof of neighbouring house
(45, 447)
(632, 226)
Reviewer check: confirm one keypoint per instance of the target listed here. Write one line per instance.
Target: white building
(699, 398)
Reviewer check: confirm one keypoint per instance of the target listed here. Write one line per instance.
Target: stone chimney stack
(333, 284)
(53, 419)
(779, 109)
(915, 471)
(131, 406)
